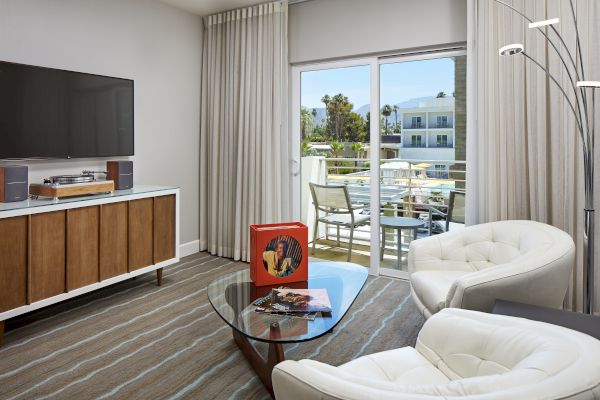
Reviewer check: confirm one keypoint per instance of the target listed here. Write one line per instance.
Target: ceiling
(207, 7)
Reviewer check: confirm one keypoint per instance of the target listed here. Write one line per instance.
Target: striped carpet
(135, 340)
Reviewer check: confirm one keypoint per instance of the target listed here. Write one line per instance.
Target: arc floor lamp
(579, 103)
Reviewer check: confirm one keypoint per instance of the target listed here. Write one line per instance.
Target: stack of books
(298, 303)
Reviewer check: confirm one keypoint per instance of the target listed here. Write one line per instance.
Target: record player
(71, 185)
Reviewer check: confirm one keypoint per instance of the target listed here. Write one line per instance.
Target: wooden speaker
(121, 172)
(13, 183)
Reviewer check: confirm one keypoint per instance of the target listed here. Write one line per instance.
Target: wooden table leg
(1, 333)
(262, 367)
(159, 276)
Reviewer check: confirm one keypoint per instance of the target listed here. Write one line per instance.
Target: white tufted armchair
(522, 261)
(460, 354)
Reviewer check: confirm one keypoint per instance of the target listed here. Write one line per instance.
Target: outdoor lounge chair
(334, 201)
(454, 218)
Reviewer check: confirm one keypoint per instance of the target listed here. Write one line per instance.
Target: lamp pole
(589, 243)
(585, 127)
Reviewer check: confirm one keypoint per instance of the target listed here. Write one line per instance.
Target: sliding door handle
(295, 171)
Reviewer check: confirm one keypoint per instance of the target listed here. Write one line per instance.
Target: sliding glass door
(399, 119)
(422, 148)
(334, 133)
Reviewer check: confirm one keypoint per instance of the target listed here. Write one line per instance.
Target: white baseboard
(189, 248)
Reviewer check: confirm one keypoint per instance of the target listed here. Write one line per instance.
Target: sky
(399, 82)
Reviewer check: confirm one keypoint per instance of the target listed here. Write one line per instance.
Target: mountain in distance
(363, 110)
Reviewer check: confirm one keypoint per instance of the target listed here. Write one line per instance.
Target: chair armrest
(308, 379)
(432, 211)
(538, 278)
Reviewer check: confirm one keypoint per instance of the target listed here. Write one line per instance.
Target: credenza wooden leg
(159, 276)
(1, 333)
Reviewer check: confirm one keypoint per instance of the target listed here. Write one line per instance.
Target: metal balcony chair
(456, 212)
(334, 201)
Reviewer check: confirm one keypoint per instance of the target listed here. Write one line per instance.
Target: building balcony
(441, 125)
(416, 125)
(415, 145)
(391, 139)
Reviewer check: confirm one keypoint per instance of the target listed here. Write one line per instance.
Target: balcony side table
(398, 223)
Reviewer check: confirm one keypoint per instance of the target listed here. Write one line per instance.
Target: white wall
(326, 29)
(156, 45)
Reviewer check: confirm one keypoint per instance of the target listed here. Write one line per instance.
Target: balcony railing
(415, 125)
(443, 145)
(391, 139)
(415, 185)
(415, 145)
(441, 125)
(406, 188)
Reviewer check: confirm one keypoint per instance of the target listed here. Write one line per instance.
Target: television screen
(51, 113)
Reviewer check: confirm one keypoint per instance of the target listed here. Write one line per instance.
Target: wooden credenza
(51, 251)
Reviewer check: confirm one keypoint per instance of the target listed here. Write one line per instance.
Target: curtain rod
(460, 46)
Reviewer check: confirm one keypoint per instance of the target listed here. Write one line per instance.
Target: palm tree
(339, 101)
(306, 121)
(440, 95)
(396, 108)
(326, 99)
(336, 150)
(386, 111)
(305, 147)
(356, 148)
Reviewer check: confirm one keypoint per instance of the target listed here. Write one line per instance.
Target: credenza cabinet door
(13, 263)
(140, 233)
(82, 246)
(47, 239)
(164, 228)
(113, 240)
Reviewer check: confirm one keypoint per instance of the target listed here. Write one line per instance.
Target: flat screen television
(53, 113)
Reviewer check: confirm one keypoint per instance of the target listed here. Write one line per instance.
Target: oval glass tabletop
(233, 296)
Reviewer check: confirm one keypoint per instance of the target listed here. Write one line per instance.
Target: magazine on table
(300, 300)
(263, 305)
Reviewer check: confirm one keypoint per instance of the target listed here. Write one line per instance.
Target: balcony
(408, 188)
(415, 145)
(443, 145)
(415, 125)
(441, 125)
(391, 139)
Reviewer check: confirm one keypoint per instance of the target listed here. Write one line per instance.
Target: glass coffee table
(232, 296)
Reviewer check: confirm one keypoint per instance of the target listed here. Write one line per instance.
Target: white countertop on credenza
(34, 206)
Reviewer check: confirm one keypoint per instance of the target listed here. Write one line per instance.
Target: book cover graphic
(282, 256)
(300, 300)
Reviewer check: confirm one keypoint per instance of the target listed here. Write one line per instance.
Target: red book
(278, 253)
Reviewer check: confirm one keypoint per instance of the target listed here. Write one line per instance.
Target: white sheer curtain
(524, 154)
(244, 146)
